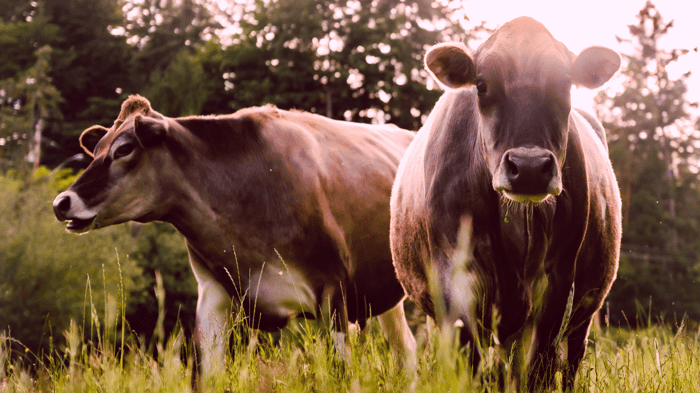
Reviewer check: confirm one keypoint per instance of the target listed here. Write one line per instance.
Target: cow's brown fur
(534, 260)
(285, 212)
(133, 105)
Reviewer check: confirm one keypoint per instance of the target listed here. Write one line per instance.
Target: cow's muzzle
(528, 175)
(68, 206)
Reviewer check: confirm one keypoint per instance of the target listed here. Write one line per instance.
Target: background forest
(68, 64)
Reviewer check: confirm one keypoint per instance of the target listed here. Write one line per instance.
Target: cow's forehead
(521, 49)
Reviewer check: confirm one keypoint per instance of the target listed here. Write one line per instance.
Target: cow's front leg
(468, 302)
(550, 329)
(334, 318)
(212, 326)
(400, 337)
(576, 348)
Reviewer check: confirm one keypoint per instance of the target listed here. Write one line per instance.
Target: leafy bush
(160, 248)
(49, 277)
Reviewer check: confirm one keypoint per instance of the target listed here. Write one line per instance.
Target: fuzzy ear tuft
(149, 131)
(134, 104)
(90, 137)
(451, 65)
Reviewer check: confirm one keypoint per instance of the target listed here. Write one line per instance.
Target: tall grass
(656, 358)
(302, 358)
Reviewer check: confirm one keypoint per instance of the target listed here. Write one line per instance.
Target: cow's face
(123, 181)
(523, 78)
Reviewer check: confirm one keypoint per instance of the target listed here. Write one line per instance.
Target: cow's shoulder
(451, 131)
(595, 125)
(238, 132)
(453, 167)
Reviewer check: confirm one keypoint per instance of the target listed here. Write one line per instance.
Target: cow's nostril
(511, 167)
(547, 166)
(64, 204)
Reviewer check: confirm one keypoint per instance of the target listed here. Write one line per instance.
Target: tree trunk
(35, 150)
(329, 101)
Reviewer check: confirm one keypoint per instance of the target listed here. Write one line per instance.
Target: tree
(651, 136)
(161, 29)
(181, 89)
(42, 100)
(356, 60)
(88, 65)
(30, 102)
(21, 33)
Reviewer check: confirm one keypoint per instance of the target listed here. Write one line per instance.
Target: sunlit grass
(303, 359)
(97, 355)
(652, 359)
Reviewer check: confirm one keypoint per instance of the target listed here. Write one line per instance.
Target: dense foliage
(654, 148)
(44, 283)
(49, 277)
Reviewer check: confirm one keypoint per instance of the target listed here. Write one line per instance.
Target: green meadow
(99, 358)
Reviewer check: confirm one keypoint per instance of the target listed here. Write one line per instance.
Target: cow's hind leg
(400, 337)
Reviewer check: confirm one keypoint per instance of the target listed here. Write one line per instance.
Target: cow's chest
(525, 237)
(521, 251)
(280, 291)
(269, 292)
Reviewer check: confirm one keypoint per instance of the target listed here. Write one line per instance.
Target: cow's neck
(201, 225)
(524, 232)
(224, 209)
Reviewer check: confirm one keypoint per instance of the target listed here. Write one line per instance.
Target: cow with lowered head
(505, 213)
(284, 213)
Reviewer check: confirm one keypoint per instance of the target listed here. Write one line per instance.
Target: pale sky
(583, 23)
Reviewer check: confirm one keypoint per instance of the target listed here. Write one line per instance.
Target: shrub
(48, 276)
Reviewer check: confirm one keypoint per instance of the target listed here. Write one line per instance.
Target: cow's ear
(90, 137)
(149, 131)
(595, 66)
(451, 65)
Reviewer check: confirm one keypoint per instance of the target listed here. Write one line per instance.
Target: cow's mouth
(80, 225)
(526, 199)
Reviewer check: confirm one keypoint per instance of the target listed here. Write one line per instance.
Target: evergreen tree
(88, 65)
(30, 102)
(161, 30)
(653, 146)
(353, 60)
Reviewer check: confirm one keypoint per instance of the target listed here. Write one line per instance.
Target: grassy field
(302, 359)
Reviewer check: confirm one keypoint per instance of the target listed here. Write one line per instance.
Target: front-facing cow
(284, 213)
(504, 157)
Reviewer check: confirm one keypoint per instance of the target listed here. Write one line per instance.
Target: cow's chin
(527, 199)
(81, 225)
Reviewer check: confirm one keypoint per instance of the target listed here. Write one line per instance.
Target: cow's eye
(123, 150)
(481, 87)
